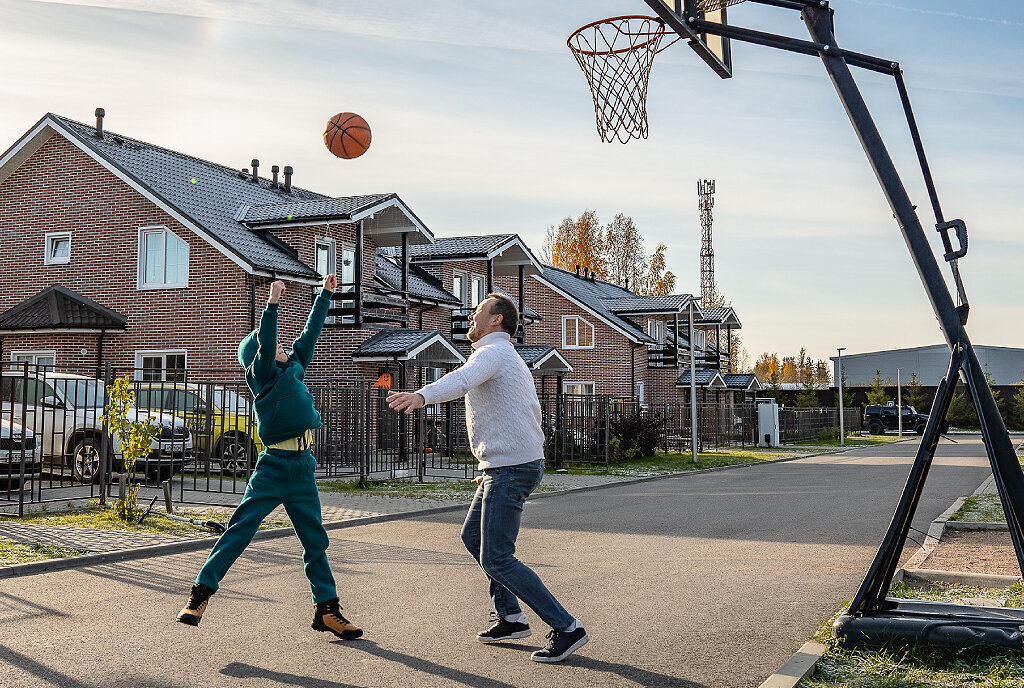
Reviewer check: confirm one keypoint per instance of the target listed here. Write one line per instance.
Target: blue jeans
(490, 532)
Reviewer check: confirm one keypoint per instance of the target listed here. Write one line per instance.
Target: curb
(48, 565)
(974, 580)
(798, 667)
(976, 525)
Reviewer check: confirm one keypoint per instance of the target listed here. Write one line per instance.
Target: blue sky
(483, 123)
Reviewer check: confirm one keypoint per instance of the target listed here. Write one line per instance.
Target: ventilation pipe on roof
(577, 270)
(244, 174)
(274, 169)
(255, 171)
(586, 273)
(100, 112)
(288, 178)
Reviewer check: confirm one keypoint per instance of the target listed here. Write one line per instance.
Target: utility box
(767, 423)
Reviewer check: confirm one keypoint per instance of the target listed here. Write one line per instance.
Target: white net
(616, 57)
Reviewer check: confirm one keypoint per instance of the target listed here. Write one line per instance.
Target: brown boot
(192, 614)
(327, 617)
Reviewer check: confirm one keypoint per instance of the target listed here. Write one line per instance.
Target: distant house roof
(422, 285)
(611, 302)
(704, 377)
(59, 308)
(746, 381)
(506, 250)
(400, 344)
(719, 316)
(212, 199)
(543, 360)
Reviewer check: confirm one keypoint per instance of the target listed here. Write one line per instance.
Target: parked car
(21, 456)
(65, 413)
(879, 419)
(220, 420)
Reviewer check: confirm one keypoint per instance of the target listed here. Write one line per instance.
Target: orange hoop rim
(654, 35)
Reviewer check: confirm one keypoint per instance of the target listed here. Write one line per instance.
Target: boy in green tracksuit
(284, 473)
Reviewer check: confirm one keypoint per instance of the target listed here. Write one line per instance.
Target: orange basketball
(347, 135)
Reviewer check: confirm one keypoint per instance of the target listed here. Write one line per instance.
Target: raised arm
(266, 338)
(302, 348)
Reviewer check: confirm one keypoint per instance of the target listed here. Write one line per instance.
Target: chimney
(100, 112)
(288, 178)
(593, 276)
(274, 170)
(626, 286)
(586, 273)
(577, 270)
(255, 171)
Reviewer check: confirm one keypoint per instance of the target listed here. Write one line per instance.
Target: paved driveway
(702, 580)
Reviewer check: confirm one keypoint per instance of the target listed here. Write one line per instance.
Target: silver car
(21, 457)
(65, 413)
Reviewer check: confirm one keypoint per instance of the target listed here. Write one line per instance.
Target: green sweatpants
(280, 477)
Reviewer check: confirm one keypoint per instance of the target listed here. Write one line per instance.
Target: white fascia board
(606, 321)
(436, 339)
(548, 355)
(516, 241)
(138, 186)
(397, 203)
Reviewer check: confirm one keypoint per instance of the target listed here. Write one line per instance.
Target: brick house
(156, 261)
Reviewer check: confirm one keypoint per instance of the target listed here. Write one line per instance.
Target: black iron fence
(55, 444)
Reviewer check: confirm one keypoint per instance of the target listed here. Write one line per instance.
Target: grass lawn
(918, 667)
(101, 517)
(456, 490)
(981, 508)
(676, 462)
(19, 553)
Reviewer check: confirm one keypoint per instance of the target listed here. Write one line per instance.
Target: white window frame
(464, 296)
(480, 294)
(581, 384)
(142, 284)
(577, 319)
(332, 254)
(51, 237)
(35, 354)
(656, 329)
(638, 392)
(162, 353)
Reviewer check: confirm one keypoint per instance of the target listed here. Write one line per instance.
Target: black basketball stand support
(874, 619)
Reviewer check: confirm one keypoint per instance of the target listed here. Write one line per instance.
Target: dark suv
(879, 419)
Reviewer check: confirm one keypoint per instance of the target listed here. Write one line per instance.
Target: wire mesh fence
(807, 423)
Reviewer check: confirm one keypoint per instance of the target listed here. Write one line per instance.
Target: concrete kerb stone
(798, 667)
(77, 561)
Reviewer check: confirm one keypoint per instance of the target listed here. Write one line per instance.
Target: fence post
(166, 485)
(607, 422)
(105, 448)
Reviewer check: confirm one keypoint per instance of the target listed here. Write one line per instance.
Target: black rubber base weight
(936, 624)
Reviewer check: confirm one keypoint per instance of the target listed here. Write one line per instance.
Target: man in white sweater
(503, 420)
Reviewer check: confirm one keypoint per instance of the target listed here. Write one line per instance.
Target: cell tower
(706, 201)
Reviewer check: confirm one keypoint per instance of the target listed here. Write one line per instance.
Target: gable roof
(719, 316)
(542, 359)
(422, 285)
(402, 344)
(638, 305)
(704, 377)
(745, 381)
(59, 308)
(208, 198)
(507, 250)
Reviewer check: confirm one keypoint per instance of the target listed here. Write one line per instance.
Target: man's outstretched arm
(302, 348)
(481, 367)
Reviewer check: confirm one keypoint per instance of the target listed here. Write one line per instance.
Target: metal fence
(807, 423)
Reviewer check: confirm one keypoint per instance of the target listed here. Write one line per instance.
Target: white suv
(65, 410)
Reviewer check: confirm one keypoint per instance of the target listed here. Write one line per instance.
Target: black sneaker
(561, 644)
(503, 630)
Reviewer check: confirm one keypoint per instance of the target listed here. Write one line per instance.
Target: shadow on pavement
(23, 609)
(41, 672)
(424, 665)
(241, 670)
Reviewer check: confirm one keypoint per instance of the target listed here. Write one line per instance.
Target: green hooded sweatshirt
(283, 404)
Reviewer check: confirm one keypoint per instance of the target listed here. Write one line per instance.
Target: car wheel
(876, 428)
(160, 473)
(85, 460)
(919, 429)
(236, 454)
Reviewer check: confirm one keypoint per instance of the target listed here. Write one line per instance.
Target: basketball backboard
(714, 50)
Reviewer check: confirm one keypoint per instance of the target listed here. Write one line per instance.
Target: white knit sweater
(502, 411)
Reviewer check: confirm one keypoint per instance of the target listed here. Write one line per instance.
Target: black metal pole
(1005, 466)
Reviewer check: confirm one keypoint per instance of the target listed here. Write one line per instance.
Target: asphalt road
(712, 579)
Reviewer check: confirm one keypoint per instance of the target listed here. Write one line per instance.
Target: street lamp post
(839, 375)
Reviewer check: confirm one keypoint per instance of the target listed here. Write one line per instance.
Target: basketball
(347, 135)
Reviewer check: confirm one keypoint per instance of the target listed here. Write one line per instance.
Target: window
(432, 375)
(58, 248)
(459, 286)
(656, 329)
(46, 360)
(163, 259)
(160, 365)
(638, 392)
(325, 256)
(477, 292)
(577, 333)
(579, 388)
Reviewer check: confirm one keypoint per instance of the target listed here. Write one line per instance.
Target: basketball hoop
(616, 56)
